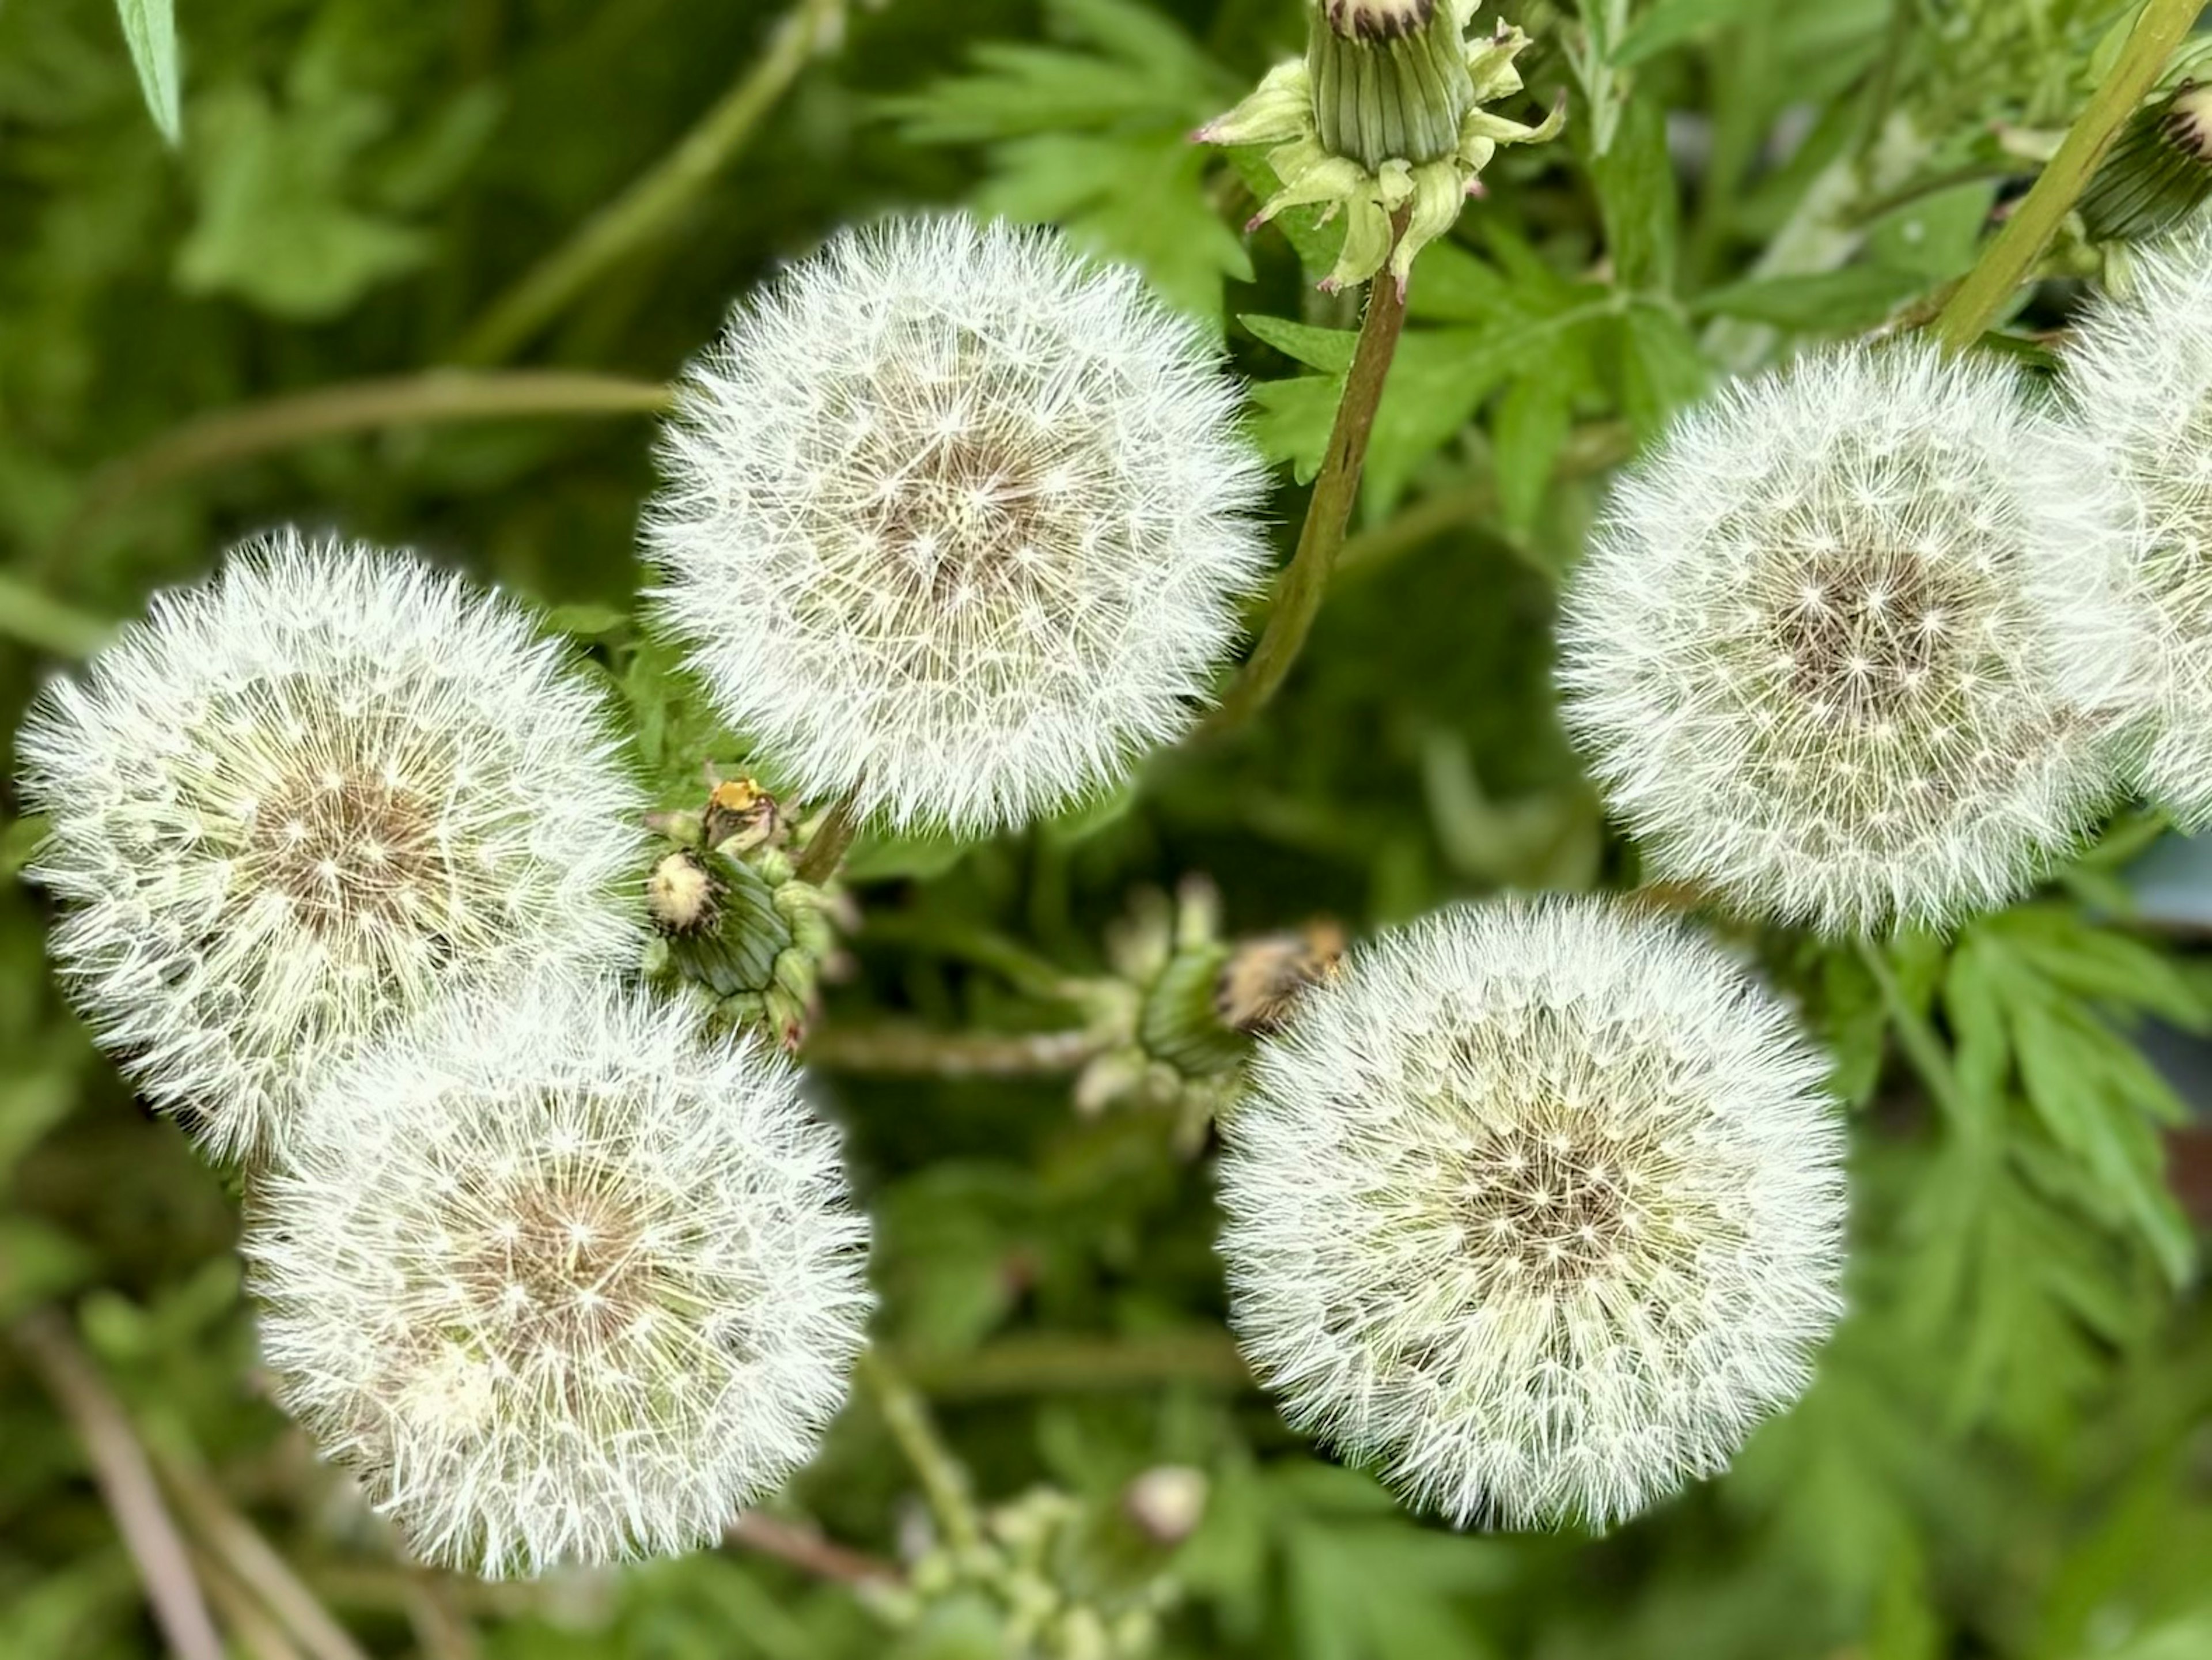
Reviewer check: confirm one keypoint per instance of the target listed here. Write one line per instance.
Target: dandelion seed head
(1538, 1206)
(954, 523)
(560, 1278)
(2137, 643)
(1802, 658)
(295, 802)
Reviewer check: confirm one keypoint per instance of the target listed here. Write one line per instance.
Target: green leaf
(1329, 350)
(884, 858)
(149, 26)
(274, 227)
(1636, 190)
(1670, 22)
(1845, 302)
(1290, 420)
(1662, 369)
(1527, 435)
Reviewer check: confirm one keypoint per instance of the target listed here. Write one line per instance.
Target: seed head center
(349, 848)
(1548, 1207)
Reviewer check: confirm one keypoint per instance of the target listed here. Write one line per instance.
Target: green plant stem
(1336, 489)
(1981, 297)
(943, 1480)
(226, 437)
(827, 848)
(29, 617)
(904, 1049)
(1059, 1363)
(125, 1479)
(1922, 1045)
(654, 202)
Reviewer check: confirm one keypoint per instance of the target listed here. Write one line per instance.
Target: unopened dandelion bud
(1805, 658)
(956, 523)
(299, 803)
(682, 895)
(1383, 119)
(1167, 1502)
(1538, 1207)
(560, 1279)
(2160, 172)
(2136, 605)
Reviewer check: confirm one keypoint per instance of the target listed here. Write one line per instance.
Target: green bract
(1378, 123)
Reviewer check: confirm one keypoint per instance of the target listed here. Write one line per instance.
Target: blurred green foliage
(2008, 1450)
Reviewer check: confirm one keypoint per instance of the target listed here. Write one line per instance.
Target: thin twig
(2160, 28)
(255, 1562)
(125, 1481)
(827, 848)
(1328, 512)
(225, 437)
(654, 202)
(943, 1480)
(804, 1548)
(441, 1630)
(905, 1050)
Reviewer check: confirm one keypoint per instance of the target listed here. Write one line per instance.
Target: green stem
(2160, 28)
(943, 1480)
(826, 848)
(904, 1049)
(1336, 489)
(654, 202)
(439, 396)
(48, 626)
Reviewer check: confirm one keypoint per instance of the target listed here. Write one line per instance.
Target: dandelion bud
(2137, 606)
(954, 523)
(295, 804)
(560, 1279)
(1537, 1204)
(682, 895)
(1385, 116)
(2159, 173)
(1801, 658)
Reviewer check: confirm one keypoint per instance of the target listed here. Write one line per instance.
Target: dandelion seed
(1814, 683)
(1539, 1205)
(294, 803)
(2137, 606)
(560, 1278)
(954, 523)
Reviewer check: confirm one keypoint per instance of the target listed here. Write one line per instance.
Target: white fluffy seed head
(1539, 1206)
(560, 1278)
(1802, 657)
(296, 802)
(954, 523)
(2137, 641)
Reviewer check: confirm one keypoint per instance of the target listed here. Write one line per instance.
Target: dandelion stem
(901, 1048)
(259, 1634)
(657, 199)
(125, 1479)
(2160, 28)
(831, 841)
(1328, 512)
(30, 618)
(251, 1560)
(805, 1549)
(943, 1480)
(434, 397)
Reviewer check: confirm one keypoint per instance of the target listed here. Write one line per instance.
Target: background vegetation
(379, 210)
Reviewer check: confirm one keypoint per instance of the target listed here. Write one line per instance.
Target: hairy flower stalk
(955, 524)
(1802, 657)
(561, 1277)
(2137, 606)
(1538, 1205)
(1383, 119)
(302, 800)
